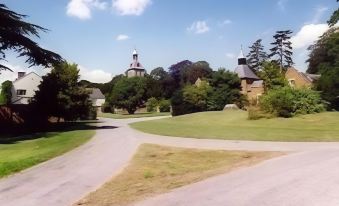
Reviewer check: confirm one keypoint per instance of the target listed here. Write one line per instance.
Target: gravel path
(308, 177)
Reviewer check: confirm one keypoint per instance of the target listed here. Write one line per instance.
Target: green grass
(17, 156)
(234, 125)
(157, 169)
(136, 115)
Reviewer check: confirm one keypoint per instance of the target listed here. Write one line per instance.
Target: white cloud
(130, 7)
(225, 22)
(122, 37)
(230, 55)
(199, 27)
(82, 8)
(96, 75)
(307, 35)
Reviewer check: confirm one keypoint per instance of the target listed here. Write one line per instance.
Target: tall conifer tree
(256, 56)
(282, 49)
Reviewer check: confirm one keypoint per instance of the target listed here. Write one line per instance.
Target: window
(21, 92)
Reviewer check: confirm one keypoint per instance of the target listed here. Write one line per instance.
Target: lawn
(136, 115)
(17, 156)
(157, 169)
(234, 125)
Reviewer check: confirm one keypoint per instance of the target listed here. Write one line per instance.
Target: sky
(100, 35)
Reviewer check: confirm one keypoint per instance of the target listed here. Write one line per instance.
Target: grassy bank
(234, 125)
(136, 115)
(158, 169)
(37, 148)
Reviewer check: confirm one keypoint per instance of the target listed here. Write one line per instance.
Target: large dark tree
(60, 95)
(14, 35)
(177, 70)
(282, 49)
(256, 56)
(334, 18)
(324, 51)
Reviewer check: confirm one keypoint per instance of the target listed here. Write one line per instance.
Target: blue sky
(100, 35)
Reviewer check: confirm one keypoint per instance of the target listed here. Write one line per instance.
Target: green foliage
(197, 95)
(200, 69)
(152, 104)
(288, 102)
(226, 89)
(181, 107)
(256, 56)
(328, 84)
(6, 93)
(324, 52)
(107, 108)
(255, 113)
(272, 76)
(282, 49)
(129, 93)
(334, 18)
(14, 35)
(60, 95)
(165, 105)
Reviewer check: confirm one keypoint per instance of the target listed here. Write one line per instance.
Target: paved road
(308, 177)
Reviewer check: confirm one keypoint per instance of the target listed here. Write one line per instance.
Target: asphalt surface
(309, 175)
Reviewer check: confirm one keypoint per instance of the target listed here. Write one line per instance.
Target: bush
(107, 108)
(152, 104)
(165, 105)
(287, 102)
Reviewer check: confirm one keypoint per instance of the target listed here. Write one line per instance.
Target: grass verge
(234, 125)
(158, 169)
(17, 156)
(136, 115)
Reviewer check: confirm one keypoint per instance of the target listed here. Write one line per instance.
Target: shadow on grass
(13, 134)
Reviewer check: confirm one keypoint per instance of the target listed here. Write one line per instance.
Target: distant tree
(129, 93)
(200, 69)
(324, 51)
(14, 35)
(272, 76)
(159, 73)
(177, 70)
(226, 89)
(60, 95)
(6, 93)
(334, 18)
(282, 49)
(256, 56)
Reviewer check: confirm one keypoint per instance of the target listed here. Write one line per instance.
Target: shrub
(107, 108)
(165, 105)
(152, 104)
(254, 113)
(287, 102)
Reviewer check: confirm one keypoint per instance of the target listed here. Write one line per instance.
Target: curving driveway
(308, 176)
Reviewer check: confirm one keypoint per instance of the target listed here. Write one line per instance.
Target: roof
(307, 77)
(96, 94)
(26, 76)
(244, 72)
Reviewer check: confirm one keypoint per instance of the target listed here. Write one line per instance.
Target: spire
(135, 55)
(241, 58)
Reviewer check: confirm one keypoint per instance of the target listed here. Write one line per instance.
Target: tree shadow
(13, 134)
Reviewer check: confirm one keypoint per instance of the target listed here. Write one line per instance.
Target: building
(24, 87)
(251, 85)
(135, 69)
(298, 79)
(97, 98)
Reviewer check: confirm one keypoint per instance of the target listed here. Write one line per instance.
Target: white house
(24, 87)
(97, 98)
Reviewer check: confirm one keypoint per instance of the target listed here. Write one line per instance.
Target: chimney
(21, 74)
